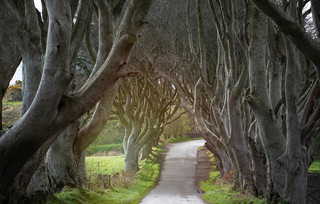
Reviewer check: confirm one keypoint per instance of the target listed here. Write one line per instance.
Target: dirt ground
(204, 166)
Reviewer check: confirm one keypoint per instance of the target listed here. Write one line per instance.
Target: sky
(17, 75)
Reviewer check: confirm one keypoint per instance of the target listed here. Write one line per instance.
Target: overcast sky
(17, 75)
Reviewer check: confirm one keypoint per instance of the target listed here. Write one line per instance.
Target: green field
(105, 164)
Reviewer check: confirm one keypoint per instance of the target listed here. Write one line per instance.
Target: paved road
(177, 179)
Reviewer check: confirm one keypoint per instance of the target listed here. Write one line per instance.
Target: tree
(52, 109)
(144, 111)
(282, 106)
(69, 168)
(289, 148)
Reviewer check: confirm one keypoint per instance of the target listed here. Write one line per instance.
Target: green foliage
(181, 139)
(221, 192)
(315, 166)
(106, 148)
(142, 183)
(178, 128)
(112, 133)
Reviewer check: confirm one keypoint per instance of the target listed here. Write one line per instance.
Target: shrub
(14, 92)
(95, 149)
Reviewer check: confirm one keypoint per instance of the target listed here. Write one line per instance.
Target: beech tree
(49, 107)
(68, 168)
(243, 104)
(251, 84)
(144, 111)
(218, 77)
(289, 148)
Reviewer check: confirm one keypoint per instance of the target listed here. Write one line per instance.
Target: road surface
(177, 179)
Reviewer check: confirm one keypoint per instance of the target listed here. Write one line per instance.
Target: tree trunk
(38, 187)
(32, 67)
(146, 150)
(271, 136)
(6, 74)
(64, 166)
(222, 159)
(259, 171)
(294, 159)
(275, 66)
(68, 151)
(238, 144)
(132, 158)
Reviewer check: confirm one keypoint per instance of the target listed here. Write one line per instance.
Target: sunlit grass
(315, 166)
(105, 164)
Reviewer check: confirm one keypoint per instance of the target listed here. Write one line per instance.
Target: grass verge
(220, 191)
(142, 183)
(315, 166)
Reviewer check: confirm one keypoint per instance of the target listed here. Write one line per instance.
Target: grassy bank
(129, 191)
(220, 190)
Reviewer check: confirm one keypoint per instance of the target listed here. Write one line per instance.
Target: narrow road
(177, 179)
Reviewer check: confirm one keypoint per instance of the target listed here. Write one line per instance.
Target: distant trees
(144, 105)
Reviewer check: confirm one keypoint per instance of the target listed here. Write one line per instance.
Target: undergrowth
(220, 190)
